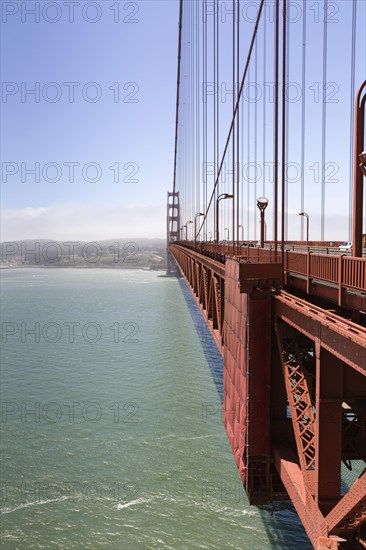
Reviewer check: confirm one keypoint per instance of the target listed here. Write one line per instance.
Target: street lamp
(190, 221)
(228, 233)
(242, 232)
(181, 232)
(195, 223)
(210, 235)
(307, 224)
(262, 204)
(221, 197)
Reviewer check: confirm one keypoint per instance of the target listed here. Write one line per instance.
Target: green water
(111, 426)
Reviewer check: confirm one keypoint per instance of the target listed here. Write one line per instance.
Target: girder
(299, 398)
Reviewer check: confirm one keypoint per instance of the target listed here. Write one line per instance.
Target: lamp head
(224, 196)
(262, 203)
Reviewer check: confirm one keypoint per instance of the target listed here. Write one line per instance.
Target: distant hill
(118, 253)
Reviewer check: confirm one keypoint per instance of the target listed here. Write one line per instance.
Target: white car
(345, 246)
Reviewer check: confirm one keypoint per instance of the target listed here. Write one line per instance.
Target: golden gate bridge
(269, 142)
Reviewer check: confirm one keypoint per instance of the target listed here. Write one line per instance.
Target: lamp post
(181, 232)
(221, 197)
(210, 235)
(242, 232)
(307, 224)
(228, 233)
(195, 225)
(262, 204)
(190, 221)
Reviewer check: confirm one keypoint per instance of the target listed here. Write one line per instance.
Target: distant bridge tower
(173, 225)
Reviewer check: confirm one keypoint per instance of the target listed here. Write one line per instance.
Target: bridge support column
(246, 408)
(328, 429)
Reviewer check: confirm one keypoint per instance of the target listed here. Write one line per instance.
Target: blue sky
(134, 132)
(131, 48)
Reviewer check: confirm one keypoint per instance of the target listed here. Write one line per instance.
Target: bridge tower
(173, 225)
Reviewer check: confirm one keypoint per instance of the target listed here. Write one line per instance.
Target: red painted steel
(344, 339)
(337, 278)
(206, 278)
(323, 357)
(298, 394)
(358, 176)
(345, 272)
(246, 372)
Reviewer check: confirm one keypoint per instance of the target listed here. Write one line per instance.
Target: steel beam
(341, 337)
(328, 428)
(359, 144)
(350, 512)
(299, 399)
(289, 470)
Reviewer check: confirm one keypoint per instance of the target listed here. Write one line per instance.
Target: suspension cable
(178, 90)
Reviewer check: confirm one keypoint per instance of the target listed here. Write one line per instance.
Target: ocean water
(111, 420)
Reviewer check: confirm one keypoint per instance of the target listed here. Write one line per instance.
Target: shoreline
(79, 267)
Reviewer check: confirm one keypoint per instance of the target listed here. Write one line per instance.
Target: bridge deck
(338, 278)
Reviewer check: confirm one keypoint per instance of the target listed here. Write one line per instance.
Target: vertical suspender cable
(242, 172)
(264, 105)
(276, 105)
(215, 90)
(352, 118)
(204, 114)
(233, 159)
(324, 117)
(237, 122)
(198, 111)
(255, 136)
(248, 163)
(218, 92)
(303, 107)
(191, 181)
(283, 145)
(214, 103)
(288, 37)
(193, 114)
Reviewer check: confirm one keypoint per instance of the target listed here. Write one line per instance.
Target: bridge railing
(354, 272)
(246, 252)
(344, 271)
(296, 262)
(324, 267)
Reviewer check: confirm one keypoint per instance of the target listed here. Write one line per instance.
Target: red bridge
(288, 318)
